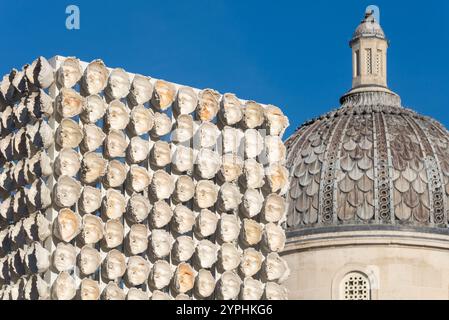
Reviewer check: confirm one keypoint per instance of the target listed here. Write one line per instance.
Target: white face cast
(204, 284)
(64, 287)
(251, 262)
(273, 291)
(162, 185)
(182, 296)
(162, 125)
(161, 154)
(185, 189)
(95, 77)
(183, 159)
(232, 167)
(253, 115)
(231, 109)
(113, 233)
(229, 228)
(184, 278)
(161, 243)
(89, 260)
(115, 264)
(159, 295)
(184, 219)
(275, 268)
(208, 163)
(161, 214)
(142, 120)
(117, 115)
(64, 257)
(206, 223)
(252, 232)
(92, 229)
(141, 90)
(69, 103)
(160, 274)
(274, 237)
(254, 174)
(138, 239)
(186, 101)
(252, 203)
(274, 208)
(67, 163)
(113, 292)
(114, 204)
(254, 143)
(115, 174)
(230, 197)
(67, 225)
(252, 289)
(116, 144)
(229, 286)
(90, 199)
(138, 208)
(40, 163)
(136, 294)
(37, 258)
(206, 194)
(207, 135)
(137, 271)
(69, 73)
(93, 167)
(183, 248)
(229, 257)
(94, 109)
(208, 105)
(277, 122)
(93, 137)
(185, 128)
(138, 150)
(275, 149)
(277, 177)
(118, 84)
(36, 289)
(163, 95)
(206, 253)
(90, 290)
(68, 134)
(139, 178)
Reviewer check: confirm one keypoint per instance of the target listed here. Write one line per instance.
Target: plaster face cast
(93, 137)
(40, 73)
(183, 159)
(138, 150)
(207, 135)
(184, 278)
(231, 109)
(40, 134)
(162, 125)
(229, 286)
(68, 134)
(117, 115)
(184, 219)
(229, 228)
(253, 174)
(94, 109)
(138, 208)
(40, 163)
(274, 208)
(142, 120)
(36, 289)
(204, 284)
(229, 257)
(161, 243)
(186, 100)
(161, 214)
(93, 167)
(182, 296)
(92, 229)
(39, 196)
(113, 233)
(160, 154)
(275, 149)
(160, 274)
(159, 295)
(206, 223)
(39, 103)
(276, 121)
(254, 143)
(115, 174)
(64, 257)
(252, 232)
(274, 238)
(230, 197)
(206, 194)
(69, 103)
(185, 189)
(208, 105)
(118, 84)
(141, 90)
(275, 268)
(95, 77)
(138, 239)
(136, 294)
(115, 264)
(113, 292)
(208, 163)
(64, 287)
(232, 138)
(114, 205)
(89, 260)
(162, 185)
(37, 258)
(206, 254)
(185, 128)
(137, 271)
(251, 262)
(163, 95)
(277, 177)
(252, 203)
(252, 289)
(273, 291)
(116, 144)
(90, 290)
(253, 116)
(69, 73)
(139, 178)
(67, 224)
(183, 248)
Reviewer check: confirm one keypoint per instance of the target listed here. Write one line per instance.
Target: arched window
(355, 286)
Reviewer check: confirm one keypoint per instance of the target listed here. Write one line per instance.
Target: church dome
(369, 27)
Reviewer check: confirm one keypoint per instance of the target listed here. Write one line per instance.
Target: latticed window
(355, 286)
(369, 61)
(357, 61)
(379, 62)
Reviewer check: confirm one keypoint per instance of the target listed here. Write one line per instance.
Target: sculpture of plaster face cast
(231, 109)
(93, 137)
(184, 219)
(142, 120)
(160, 154)
(37, 227)
(204, 284)
(136, 294)
(206, 223)
(229, 257)
(186, 100)
(69, 73)
(251, 232)
(39, 104)
(275, 149)
(254, 143)
(114, 205)
(115, 264)
(182, 296)
(93, 167)
(116, 144)
(113, 292)
(39, 196)
(232, 138)
(276, 121)
(251, 262)
(118, 84)
(163, 95)
(183, 159)
(207, 135)
(254, 174)
(138, 150)
(36, 289)
(40, 134)
(69, 103)
(90, 199)
(89, 260)
(161, 214)
(253, 116)
(117, 115)
(68, 134)
(206, 254)
(141, 90)
(184, 278)
(159, 295)
(230, 197)
(206, 194)
(252, 203)
(275, 268)
(67, 163)
(43, 227)
(208, 104)
(115, 174)
(274, 291)
(160, 274)
(138, 208)
(208, 163)
(185, 127)
(161, 243)
(183, 248)
(138, 178)
(40, 73)
(229, 286)
(37, 258)
(89, 289)
(95, 77)
(229, 228)
(137, 271)
(94, 109)
(277, 177)
(274, 208)
(113, 233)
(252, 289)
(162, 125)
(274, 238)
(67, 225)
(92, 229)
(162, 185)
(138, 239)
(64, 287)
(64, 257)
(185, 189)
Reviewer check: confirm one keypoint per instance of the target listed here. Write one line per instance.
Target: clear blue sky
(293, 54)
